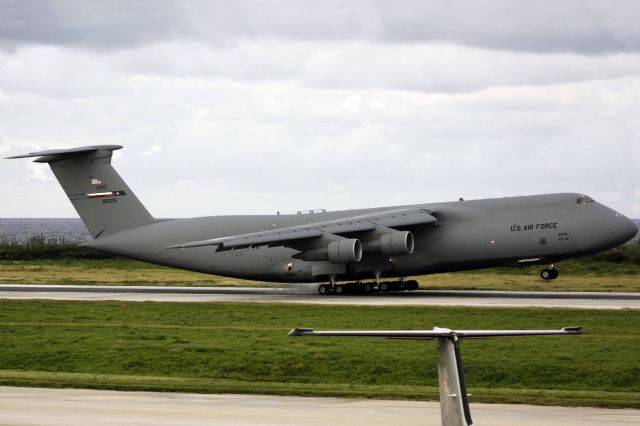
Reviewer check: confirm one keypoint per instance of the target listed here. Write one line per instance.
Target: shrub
(39, 247)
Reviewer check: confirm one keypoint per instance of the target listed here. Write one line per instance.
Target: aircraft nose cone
(628, 228)
(600, 228)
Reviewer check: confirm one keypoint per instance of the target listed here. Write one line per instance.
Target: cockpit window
(584, 199)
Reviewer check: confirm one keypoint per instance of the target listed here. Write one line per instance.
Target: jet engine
(391, 243)
(345, 251)
(340, 251)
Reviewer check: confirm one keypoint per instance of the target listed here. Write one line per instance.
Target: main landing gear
(359, 287)
(549, 274)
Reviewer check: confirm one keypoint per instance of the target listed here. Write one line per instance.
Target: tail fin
(103, 200)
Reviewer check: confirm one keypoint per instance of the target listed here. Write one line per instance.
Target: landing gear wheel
(323, 289)
(384, 287)
(366, 288)
(339, 289)
(549, 274)
(545, 274)
(411, 285)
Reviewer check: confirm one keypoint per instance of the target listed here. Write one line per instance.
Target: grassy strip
(225, 347)
(575, 276)
(107, 272)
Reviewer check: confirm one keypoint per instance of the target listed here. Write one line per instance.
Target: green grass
(576, 275)
(221, 347)
(116, 271)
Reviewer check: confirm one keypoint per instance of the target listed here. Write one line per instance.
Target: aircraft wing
(436, 333)
(336, 227)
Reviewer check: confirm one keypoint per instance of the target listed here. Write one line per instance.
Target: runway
(307, 294)
(79, 407)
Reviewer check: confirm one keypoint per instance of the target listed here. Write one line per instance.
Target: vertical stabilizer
(103, 200)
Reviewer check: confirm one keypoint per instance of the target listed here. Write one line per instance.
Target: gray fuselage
(510, 231)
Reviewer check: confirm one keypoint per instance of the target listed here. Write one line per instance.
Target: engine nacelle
(397, 243)
(340, 251)
(345, 251)
(391, 244)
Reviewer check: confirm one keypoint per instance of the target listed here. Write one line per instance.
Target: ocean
(72, 230)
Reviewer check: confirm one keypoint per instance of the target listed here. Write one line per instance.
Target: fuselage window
(584, 199)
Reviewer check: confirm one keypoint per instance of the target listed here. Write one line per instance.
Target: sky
(253, 107)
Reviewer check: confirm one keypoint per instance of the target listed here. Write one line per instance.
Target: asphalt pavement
(306, 293)
(81, 407)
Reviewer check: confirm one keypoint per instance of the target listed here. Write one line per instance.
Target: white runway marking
(306, 294)
(80, 407)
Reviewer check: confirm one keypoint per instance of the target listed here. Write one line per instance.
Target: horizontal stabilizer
(436, 333)
(59, 154)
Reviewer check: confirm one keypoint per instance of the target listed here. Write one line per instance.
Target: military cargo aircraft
(333, 247)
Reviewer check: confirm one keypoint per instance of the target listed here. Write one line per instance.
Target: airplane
(454, 400)
(331, 247)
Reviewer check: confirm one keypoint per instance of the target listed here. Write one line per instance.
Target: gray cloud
(220, 148)
(592, 27)
(90, 24)
(253, 107)
(58, 72)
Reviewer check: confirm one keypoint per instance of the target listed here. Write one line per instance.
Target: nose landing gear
(549, 274)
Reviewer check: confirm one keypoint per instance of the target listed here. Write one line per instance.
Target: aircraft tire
(323, 290)
(339, 289)
(411, 285)
(384, 287)
(546, 274)
(554, 274)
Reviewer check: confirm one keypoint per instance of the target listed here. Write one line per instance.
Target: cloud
(90, 24)
(37, 172)
(348, 148)
(355, 65)
(540, 26)
(266, 107)
(151, 151)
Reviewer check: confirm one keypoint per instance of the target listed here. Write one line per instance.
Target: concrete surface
(80, 407)
(307, 294)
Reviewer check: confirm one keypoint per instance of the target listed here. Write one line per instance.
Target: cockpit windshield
(584, 199)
